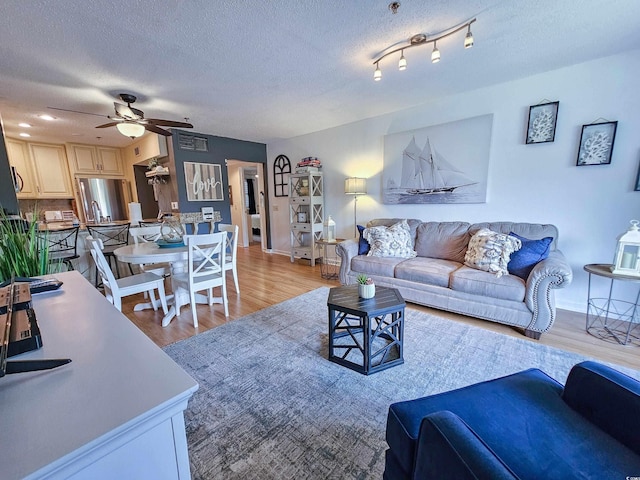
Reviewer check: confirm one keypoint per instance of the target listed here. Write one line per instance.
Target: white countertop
(117, 376)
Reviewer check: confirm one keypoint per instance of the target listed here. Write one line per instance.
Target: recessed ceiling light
(24, 134)
(24, 125)
(46, 117)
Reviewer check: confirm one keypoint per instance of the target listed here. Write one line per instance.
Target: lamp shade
(132, 130)
(355, 186)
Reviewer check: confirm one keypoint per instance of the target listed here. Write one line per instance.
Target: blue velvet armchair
(523, 426)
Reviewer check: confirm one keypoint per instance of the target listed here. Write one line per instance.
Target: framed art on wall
(433, 165)
(596, 143)
(541, 127)
(203, 182)
(637, 188)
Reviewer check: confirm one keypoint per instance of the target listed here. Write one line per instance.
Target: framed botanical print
(637, 187)
(541, 127)
(596, 143)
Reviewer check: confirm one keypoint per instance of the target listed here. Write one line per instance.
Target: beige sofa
(438, 278)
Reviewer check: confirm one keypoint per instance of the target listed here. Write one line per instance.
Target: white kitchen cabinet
(92, 160)
(42, 167)
(18, 153)
(51, 171)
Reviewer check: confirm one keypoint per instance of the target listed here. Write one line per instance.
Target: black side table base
(366, 339)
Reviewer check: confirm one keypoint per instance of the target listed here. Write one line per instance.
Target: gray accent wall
(219, 150)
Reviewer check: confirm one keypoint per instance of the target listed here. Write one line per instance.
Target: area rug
(271, 406)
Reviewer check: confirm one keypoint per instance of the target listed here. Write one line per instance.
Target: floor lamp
(355, 186)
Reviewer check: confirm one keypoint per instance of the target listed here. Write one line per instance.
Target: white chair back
(206, 267)
(231, 250)
(147, 234)
(104, 269)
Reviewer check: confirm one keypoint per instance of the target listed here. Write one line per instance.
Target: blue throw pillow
(363, 245)
(531, 252)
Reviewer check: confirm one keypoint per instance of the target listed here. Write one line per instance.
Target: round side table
(609, 318)
(330, 266)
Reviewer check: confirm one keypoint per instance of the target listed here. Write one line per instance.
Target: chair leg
(192, 294)
(235, 280)
(152, 299)
(225, 301)
(163, 297)
(117, 301)
(130, 269)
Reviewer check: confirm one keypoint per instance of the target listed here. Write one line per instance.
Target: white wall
(590, 205)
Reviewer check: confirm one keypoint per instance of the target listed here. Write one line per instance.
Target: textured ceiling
(262, 70)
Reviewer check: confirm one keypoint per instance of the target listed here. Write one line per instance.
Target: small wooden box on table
(366, 335)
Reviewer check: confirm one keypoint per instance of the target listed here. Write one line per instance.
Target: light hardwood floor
(267, 279)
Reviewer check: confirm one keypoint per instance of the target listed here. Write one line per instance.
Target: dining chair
(62, 245)
(230, 263)
(112, 237)
(115, 289)
(150, 234)
(205, 269)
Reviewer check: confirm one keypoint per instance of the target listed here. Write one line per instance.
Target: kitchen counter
(116, 411)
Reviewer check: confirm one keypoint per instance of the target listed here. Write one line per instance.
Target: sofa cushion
(433, 271)
(387, 222)
(445, 240)
(490, 251)
(393, 241)
(380, 266)
(524, 420)
(477, 282)
(532, 251)
(363, 245)
(528, 230)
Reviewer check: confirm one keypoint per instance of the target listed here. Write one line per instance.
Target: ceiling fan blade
(110, 124)
(159, 131)
(127, 112)
(76, 111)
(167, 123)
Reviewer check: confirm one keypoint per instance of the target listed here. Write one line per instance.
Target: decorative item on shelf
(302, 217)
(302, 187)
(627, 260)
(420, 39)
(308, 165)
(156, 173)
(355, 186)
(366, 287)
(329, 229)
(171, 229)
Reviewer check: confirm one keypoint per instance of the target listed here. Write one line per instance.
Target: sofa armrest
(552, 272)
(607, 398)
(346, 251)
(448, 448)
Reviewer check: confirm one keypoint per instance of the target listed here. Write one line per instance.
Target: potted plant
(366, 287)
(24, 252)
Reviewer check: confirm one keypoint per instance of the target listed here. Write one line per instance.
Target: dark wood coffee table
(366, 335)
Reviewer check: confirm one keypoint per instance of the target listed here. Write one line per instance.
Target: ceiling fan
(131, 122)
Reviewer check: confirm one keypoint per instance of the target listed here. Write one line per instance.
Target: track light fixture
(402, 64)
(422, 39)
(377, 75)
(435, 55)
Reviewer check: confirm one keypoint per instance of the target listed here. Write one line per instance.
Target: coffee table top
(346, 299)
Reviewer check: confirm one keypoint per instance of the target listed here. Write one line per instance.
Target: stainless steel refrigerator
(104, 199)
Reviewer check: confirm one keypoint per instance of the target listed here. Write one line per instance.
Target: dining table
(174, 254)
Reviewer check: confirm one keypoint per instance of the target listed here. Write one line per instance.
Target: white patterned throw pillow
(393, 241)
(490, 251)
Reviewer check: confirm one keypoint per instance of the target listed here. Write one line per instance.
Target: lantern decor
(627, 261)
(329, 229)
(171, 229)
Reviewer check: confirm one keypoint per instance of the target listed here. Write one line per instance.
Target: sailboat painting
(446, 163)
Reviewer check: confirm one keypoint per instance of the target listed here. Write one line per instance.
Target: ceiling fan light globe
(132, 130)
